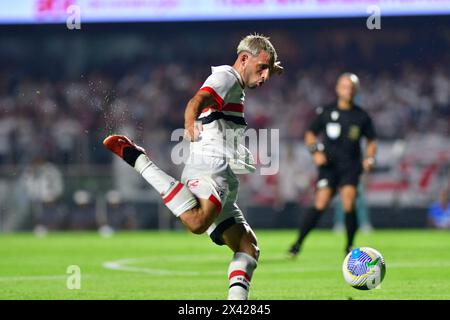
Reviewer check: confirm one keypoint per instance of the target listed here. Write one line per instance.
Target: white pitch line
(124, 265)
(32, 278)
(39, 278)
(116, 265)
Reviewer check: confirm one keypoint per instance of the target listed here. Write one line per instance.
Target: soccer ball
(364, 268)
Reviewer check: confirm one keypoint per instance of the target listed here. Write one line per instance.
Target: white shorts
(214, 180)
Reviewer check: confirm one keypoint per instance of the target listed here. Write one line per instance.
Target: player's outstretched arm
(193, 110)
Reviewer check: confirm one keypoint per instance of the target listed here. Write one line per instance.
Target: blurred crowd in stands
(60, 96)
(65, 116)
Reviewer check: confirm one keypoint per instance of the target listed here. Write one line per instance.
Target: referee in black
(339, 158)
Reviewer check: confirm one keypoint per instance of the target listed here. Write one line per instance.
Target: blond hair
(353, 78)
(254, 43)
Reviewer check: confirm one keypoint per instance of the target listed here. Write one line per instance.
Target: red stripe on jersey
(236, 107)
(213, 107)
(236, 273)
(216, 97)
(173, 193)
(216, 202)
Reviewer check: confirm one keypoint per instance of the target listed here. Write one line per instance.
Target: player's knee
(198, 227)
(195, 220)
(348, 204)
(321, 205)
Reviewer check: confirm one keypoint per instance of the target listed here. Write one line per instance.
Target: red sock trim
(173, 193)
(236, 273)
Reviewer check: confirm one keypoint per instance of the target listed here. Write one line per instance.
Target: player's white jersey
(223, 122)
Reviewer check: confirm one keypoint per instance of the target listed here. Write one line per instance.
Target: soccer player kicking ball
(205, 198)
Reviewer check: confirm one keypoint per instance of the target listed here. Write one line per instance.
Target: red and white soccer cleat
(124, 148)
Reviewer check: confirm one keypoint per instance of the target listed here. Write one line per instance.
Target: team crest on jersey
(353, 132)
(333, 130)
(193, 183)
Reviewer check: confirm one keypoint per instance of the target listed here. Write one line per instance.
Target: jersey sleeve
(218, 85)
(318, 123)
(368, 129)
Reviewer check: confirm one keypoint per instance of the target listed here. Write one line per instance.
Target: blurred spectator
(439, 211)
(83, 211)
(43, 180)
(120, 215)
(44, 186)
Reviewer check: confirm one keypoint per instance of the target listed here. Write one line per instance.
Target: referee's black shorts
(334, 176)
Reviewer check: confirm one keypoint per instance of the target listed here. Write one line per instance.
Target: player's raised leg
(322, 200)
(242, 240)
(348, 197)
(176, 196)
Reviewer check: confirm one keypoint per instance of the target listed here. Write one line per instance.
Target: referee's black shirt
(343, 130)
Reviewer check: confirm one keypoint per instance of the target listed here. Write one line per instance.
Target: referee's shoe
(294, 250)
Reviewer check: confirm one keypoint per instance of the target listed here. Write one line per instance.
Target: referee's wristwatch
(371, 160)
(316, 147)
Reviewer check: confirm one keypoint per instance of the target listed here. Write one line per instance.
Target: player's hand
(319, 158)
(192, 132)
(277, 68)
(368, 164)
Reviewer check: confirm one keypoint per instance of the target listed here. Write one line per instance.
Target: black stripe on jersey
(219, 115)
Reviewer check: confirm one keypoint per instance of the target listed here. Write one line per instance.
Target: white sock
(175, 195)
(240, 274)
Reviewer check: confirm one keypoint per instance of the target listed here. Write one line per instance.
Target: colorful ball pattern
(364, 268)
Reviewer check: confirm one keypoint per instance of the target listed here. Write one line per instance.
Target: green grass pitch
(178, 265)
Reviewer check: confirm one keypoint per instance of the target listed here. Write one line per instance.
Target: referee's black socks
(309, 222)
(351, 224)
